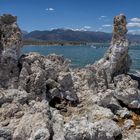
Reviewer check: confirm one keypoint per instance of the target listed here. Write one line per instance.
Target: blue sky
(95, 15)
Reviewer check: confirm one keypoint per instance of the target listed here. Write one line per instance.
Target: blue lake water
(82, 55)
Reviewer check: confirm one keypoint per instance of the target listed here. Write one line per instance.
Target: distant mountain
(63, 35)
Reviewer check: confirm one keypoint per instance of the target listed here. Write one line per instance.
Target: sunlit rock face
(10, 43)
(116, 61)
(118, 55)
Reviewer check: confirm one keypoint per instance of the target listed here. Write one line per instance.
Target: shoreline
(48, 43)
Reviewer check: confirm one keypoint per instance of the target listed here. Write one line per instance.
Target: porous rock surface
(116, 61)
(42, 98)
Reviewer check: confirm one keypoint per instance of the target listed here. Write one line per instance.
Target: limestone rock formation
(10, 43)
(42, 98)
(10, 36)
(116, 61)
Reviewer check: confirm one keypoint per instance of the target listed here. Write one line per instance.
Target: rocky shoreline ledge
(42, 98)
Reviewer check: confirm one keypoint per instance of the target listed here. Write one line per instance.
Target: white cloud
(133, 24)
(73, 29)
(80, 29)
(135, 19)
(50, 9)
(108, 25)
(84, 28)
(134, 32)
(101, 17)
(100, 29)
(87, 27)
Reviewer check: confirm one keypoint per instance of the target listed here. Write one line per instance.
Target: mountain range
(68, 35)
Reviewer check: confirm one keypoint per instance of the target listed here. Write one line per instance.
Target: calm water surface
(82, 55)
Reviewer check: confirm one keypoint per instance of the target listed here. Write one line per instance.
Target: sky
(92, 15)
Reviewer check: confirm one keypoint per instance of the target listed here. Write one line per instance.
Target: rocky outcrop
(100, 130)
(10, 43)
(10, 36)
(116, 61)
(47, 77)
(42, 98)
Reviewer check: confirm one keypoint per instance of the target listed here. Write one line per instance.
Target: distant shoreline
(48, 43)
(70, 43)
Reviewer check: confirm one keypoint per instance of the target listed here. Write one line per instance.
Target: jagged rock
(52, 84)
(8, 96)
(5, 134)
(65, 80)
(9, 110)
(34, 124)
(116, 61)
(32, 127)
(46, 76)
(75, 130)
(10, 36)
(107, 100)
(130, 97)
(10, 43)
(124, 82)
(107, 130)
(127, 91)
(124, 113)
(128, 124)
(133, 135)
(101, 130)
(8, 19)
(58, 124)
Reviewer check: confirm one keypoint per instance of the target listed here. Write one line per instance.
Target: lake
(80, 56)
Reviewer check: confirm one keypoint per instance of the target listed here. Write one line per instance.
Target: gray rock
(5, 134)
(58, 124)
(124, 113)
(101, 130)
(11, 40)
(130, 97)
(52, 84)
(9, 51)
(107, 130)
(34, 124)
(133, 135)
(8, 96)
(8, 19)
(128, 124)
(116, 61)
(75, 130)
(65, 80)
(107, 100)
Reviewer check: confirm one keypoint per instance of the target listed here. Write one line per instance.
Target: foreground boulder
(100, 130)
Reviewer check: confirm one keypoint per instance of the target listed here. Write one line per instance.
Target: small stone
(5, 134)
(128, 124)
(5, 123)
(124, 113)
(65, 80)
(19, 114)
